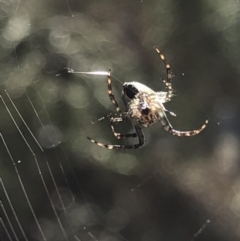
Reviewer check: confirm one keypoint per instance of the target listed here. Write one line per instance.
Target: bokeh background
(164, 191)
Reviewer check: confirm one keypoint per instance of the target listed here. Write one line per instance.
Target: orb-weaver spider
(144, 107)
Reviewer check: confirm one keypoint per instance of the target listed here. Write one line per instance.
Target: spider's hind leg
(111, 95)
(168, 127)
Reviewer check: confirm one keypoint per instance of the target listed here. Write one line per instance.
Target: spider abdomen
(131, 90)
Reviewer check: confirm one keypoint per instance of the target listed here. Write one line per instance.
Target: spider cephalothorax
(144, 107)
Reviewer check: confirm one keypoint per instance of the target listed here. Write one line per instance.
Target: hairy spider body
(144, 107)
(147, 109)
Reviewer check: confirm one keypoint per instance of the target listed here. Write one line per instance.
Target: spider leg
(98, 120)
(139, 134)
(109, 116)
(111, 95)
(167, 82)
(171, 113)
(163, 96)
(117, 134)
(114, 119)
(168, 127)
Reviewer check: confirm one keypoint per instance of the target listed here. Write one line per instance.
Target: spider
(144, 107)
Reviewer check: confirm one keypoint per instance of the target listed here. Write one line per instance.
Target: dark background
(163, 191)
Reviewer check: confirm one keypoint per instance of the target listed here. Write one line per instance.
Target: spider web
(54, 184)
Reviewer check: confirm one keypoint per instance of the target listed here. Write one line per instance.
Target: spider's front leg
(139, 134)
(115, 119)
(117, 134)
(167, 82)
(111, 95)
(121, 116)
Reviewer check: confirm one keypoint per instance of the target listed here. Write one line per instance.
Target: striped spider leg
(121, 116)
(117, 134)
(167, 82)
